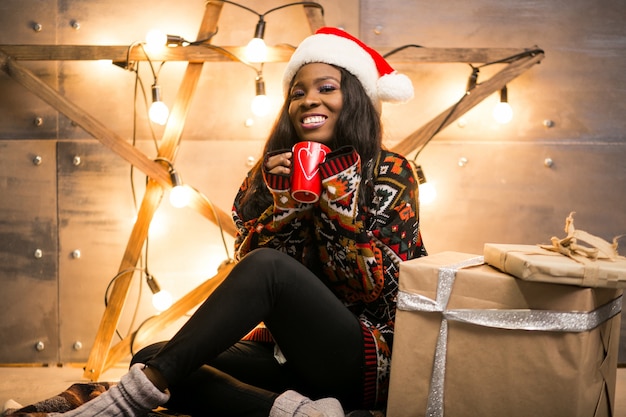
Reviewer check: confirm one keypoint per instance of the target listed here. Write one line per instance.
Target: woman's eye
(296, 94)
(327, 88)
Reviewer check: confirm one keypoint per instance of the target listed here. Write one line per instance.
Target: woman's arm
(363, 246)
(278, 225)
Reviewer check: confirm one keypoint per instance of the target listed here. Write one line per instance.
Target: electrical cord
(232, 56)
(139, 86)
(472, 83)
(217, 219)
(401, 48)
(106, 295)
(262, 15)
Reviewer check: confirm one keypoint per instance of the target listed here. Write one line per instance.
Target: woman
(321, 277)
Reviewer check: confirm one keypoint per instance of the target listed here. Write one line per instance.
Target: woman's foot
(135, 395)
(293, 404)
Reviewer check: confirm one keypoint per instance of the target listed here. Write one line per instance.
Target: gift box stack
(520, 330)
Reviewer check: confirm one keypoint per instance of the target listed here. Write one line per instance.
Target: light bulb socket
(153, 284)
(156, 93)
(175, 178)
(259, 30)
(504, 95)
(473, 79)
(174, 40)
(260, 85)
(421, 178)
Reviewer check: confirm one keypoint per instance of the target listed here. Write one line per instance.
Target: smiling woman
(321, 276)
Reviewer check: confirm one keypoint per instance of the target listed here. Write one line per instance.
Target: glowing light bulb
(260, 102)
(503, 113)
(260, 105)
(428, 193)
(158, 112)
(155, 40)
(162, 300)
(256, 50)
(180, 196)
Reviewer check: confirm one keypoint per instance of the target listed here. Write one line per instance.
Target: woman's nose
(311, 99)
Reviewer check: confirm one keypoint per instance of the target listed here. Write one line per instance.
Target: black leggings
(211, 372)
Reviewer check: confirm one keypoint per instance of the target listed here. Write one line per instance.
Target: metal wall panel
(578, 86)
(22, 114)
(28, 252)
(503, 193)
(95, 219)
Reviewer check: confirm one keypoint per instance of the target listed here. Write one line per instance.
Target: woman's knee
(262, 256)
(269, 261)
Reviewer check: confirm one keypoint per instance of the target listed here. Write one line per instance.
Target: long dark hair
(358, 125)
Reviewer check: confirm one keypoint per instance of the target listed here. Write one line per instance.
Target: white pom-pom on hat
(336, 47)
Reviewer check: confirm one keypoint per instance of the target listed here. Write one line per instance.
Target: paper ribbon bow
(598, 248)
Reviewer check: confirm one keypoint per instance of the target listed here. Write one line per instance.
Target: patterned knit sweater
(354, 249)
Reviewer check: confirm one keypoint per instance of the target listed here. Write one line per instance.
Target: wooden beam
(315, 16)
(423, 135)
(89, 123)
(200, 203)
(117, 298)
(110, 139)
(98, 358)
(452, 55)
(121, 53)
(196, 53)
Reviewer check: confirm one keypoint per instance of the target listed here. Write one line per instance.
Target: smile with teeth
(313, 120)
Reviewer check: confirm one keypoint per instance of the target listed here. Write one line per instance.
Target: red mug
(306, 183)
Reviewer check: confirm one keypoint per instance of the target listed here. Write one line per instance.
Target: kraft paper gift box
(473, 341)
(579, 258)
(533, 263)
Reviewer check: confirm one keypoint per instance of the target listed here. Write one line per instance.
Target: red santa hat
(337, 47)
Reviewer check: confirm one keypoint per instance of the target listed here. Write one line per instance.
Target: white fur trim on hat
(336, 47)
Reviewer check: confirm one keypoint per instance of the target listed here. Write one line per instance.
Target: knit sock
(135, 395)
(293, 404)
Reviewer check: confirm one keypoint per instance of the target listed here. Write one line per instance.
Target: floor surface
(27, 385)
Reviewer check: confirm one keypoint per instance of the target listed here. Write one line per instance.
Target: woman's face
(315, 102)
